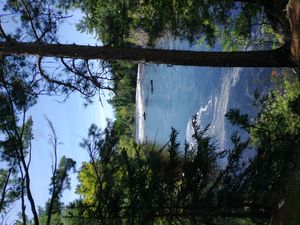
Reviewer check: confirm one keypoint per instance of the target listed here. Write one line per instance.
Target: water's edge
(139, 109)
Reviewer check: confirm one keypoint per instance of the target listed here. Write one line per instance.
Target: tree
(116, 22)
(271, 58)
(17, 95)
(161, 185)
(60, 179)
(10, 188)
(19, 89)
(119, 187)
(53, 211)
(42, 30)
(275, 135)
(136, 184)
(39, 22)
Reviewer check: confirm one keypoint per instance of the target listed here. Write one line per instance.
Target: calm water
(180, 92)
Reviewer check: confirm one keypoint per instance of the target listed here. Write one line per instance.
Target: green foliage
(236, 118)
(277, 115)
(114, 22)
(249, 28)
(271, 34)
(61, 179)
(110, 19)
(20, 221)
(38, 22)
(123, 101)
(18, 92)
(9, 188)
(161, 185)
(35, 17)
(131, 184)
(276, 122)
(275, 135)
(125, 183)
(231, 23)
(56, 218)
(16, 97)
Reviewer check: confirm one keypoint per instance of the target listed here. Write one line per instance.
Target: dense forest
(130, 183)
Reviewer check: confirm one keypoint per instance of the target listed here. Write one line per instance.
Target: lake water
(180, 92)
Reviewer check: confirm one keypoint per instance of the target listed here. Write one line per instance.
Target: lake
(169, 96)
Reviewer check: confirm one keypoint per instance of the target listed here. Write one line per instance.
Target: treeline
(124, 85)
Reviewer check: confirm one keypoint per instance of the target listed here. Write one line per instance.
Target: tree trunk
(29, 194)
(23, 205)
(4, 189)
(271, 58)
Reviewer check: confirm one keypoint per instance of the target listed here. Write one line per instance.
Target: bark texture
(271, 58)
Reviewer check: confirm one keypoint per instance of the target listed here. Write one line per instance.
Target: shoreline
(139, 108)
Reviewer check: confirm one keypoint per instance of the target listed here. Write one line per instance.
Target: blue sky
(71, 121)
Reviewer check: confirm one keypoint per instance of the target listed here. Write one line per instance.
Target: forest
(125, 182)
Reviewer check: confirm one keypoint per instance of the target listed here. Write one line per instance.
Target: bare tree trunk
(29, 194)
(23, 206)
(50, 208)
(25, 166)
(270, 58)
(54, 195)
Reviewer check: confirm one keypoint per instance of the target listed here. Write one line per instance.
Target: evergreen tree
(155, 186)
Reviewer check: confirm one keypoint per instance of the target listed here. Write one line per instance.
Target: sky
(71, 121)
